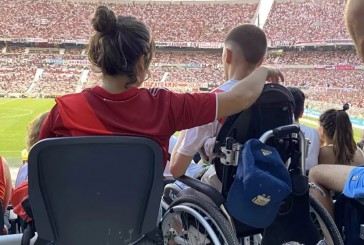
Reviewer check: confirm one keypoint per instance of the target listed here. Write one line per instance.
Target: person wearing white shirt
(310, 133)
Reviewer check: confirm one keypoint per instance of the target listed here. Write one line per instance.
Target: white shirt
(203, 136)
(200, 137)
(313, 147)
(172, 142)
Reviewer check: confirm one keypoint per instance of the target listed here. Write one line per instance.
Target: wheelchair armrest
(208, 190)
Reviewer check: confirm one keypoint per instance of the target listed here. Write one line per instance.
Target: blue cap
(261, 183)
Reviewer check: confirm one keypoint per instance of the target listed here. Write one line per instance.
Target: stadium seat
(95, 189)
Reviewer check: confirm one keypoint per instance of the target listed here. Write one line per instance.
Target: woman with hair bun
(122, 49)
(337, 134)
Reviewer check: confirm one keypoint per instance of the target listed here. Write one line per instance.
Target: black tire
(212, 214)
(327, 221)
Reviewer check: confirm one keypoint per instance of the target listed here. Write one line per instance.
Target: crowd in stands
(349, 80)
(184, 71)
(322, 20)
(177, 22)
(15, 78)
(172, 22)
(337, 57)
(65, 78)
(206, 58)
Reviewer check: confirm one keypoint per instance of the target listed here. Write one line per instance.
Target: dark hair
(299, 99)
(252, 41)
(337, 126)
(118, 44)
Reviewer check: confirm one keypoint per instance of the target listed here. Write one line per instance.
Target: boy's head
(299, 99)
(354, 15)
(245, 46)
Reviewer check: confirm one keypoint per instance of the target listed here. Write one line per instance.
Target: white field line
(10, 100)
(26, 112)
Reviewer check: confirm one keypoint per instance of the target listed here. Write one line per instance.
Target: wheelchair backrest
(95, 189)
(274, 108)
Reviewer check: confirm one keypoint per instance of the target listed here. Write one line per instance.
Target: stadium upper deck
(289, 22)
(180, 22)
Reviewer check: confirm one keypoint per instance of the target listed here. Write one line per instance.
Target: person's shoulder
(72, 96)
(156, 91)
(326, 149)
(326, 155)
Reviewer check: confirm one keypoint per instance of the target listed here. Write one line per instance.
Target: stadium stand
(322, 20)
(207, 22)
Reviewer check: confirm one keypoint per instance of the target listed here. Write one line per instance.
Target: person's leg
(328, 178)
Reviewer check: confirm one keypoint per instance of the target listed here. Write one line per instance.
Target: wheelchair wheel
(191, 220)
(324, 223)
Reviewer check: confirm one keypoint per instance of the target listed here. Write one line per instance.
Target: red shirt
(155, 113)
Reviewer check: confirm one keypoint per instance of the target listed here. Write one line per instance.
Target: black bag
(274, 108)
(349, 215)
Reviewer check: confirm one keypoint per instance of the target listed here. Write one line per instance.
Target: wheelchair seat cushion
(261, 183)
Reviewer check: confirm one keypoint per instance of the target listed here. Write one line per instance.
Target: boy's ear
(229, 56)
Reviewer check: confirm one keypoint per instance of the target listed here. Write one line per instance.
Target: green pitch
(15, 115)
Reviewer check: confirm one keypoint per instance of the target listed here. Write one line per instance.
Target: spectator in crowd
(310, 133)
(32, 138)
(122, 49)
(337, 134)
(21, 184)
(244, 51)
(342, 178)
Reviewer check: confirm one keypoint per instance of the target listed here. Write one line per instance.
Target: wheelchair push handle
(280, 131)
(286, 130)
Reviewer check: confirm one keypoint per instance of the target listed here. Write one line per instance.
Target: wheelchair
(197, 215)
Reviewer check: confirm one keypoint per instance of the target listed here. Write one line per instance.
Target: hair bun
(104, 20)
(346, 107)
